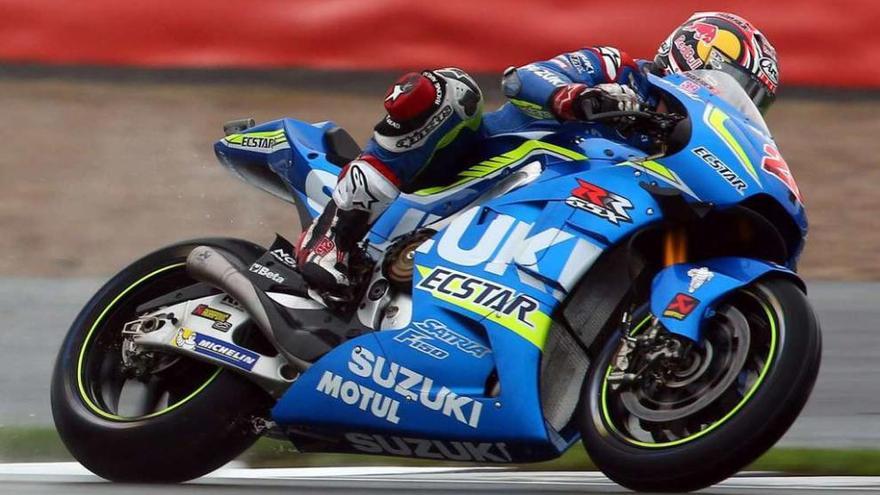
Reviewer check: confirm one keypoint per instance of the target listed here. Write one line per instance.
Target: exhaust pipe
(208, 265)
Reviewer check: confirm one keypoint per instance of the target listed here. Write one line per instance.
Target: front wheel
(175, 421)
(693, 423)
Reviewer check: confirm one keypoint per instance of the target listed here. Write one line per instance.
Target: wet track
(72, 479)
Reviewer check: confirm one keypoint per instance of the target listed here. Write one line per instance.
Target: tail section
(294, 161)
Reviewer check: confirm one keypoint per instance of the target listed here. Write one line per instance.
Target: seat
(341, 147)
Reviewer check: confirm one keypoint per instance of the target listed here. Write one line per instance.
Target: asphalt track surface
(69, 478)
(844, 410)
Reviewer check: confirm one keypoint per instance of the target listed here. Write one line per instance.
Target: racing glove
(578, 101)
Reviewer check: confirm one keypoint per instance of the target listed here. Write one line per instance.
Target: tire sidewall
(751, 431)
(193, 439)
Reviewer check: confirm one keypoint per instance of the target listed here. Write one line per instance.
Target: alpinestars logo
(600, 202)
(360, 190)
(426, 129)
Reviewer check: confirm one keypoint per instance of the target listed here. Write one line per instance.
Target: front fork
(675, 246)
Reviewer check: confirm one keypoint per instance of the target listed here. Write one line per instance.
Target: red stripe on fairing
(383, 169)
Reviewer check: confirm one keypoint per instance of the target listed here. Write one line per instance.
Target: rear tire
(204, 427)
(697, 460)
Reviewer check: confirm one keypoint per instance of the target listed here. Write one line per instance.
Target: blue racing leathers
(541, 95)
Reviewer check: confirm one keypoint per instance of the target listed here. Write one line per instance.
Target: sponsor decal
(688, 53)
(392, 378)
(600, 202)
(362, 197)
(721, 169)
(769, 67)
(581, 63)
(220, 318)
(422, 336)
(610, 61)
(481, 295)
(425, 130)
(689, 86)
(284, 257)
(546, 74)
(399, 89)
(429, 449)
(699, 276)
(774, 164)
(357, 395)
(703, 31)
(260, 142)
(265, 272)
(218, 349)
(681, 306)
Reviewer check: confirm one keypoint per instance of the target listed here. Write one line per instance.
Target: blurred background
(108, 112)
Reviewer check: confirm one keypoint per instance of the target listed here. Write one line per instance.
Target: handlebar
(654, 123)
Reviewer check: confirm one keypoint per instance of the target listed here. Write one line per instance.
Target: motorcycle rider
(433, 116)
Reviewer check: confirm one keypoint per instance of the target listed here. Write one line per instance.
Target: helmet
(726, 42)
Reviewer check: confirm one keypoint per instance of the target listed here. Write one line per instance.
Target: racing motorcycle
(565, 287)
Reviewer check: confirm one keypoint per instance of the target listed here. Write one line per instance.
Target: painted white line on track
(459, 476)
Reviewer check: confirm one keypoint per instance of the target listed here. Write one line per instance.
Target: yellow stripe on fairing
(497, 163)
(716, 119)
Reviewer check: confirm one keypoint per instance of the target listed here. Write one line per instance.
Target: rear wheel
(174, 421)
(701, 417)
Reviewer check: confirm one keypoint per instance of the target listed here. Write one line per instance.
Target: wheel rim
(666, 417)
(107, 389)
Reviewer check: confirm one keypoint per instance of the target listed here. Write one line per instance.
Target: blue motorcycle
(566, 286)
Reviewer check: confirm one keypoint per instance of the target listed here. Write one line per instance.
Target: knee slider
(420, 103)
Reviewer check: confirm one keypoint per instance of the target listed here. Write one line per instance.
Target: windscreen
(727, 88)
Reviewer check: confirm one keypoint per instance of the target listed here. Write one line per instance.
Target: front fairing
(728, 159)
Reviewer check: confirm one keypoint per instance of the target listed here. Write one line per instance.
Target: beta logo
(681, 306)
(429, 449)
(265, 272)
(600, 202)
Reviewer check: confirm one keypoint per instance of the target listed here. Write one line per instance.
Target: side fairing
(485, 288)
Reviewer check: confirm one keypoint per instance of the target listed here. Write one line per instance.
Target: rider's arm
(550, 89)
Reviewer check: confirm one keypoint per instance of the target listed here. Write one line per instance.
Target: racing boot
(364, 190)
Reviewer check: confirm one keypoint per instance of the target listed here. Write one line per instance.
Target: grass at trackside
(20, 444)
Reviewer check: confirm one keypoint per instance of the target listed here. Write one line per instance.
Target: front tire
(191, 417)
(749, 416)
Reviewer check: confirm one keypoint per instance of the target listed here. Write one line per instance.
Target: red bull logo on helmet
(703, 31)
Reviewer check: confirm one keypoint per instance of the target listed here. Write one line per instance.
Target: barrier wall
(821, 43)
